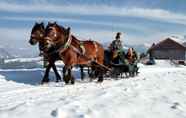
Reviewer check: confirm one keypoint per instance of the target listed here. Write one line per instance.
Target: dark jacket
(116, 44)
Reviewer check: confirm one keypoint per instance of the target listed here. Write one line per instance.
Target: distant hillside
(139, 48)
(4, 54)
(17, 52)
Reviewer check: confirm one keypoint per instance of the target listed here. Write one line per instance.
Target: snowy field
(157, 92)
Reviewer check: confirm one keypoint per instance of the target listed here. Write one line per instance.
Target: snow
(36, 59)
(159, 91)
(177, 39)
(25, 63)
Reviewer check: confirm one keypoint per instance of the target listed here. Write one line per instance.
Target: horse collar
(62, 48)
(67, 44)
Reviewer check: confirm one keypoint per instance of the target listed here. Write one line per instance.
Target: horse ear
(68, 29)
(42, 23)
(49, 23)
(55, 24)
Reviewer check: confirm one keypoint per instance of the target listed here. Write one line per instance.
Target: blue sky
(141, 21)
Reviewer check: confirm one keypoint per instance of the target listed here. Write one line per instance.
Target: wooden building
(168, 49)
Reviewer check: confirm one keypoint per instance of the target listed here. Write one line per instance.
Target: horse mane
(76, 39)
(60, 27)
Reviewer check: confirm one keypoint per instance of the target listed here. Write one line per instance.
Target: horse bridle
(60, 48)
(41, 33)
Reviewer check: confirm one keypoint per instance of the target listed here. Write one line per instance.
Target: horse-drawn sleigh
(58, 43)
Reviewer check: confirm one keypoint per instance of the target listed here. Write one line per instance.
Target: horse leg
(92, 74)
(72, 79)
(58, 77)
(82, 73)
(65, 75)
(45, 78)
(88, 70)
(100, 76)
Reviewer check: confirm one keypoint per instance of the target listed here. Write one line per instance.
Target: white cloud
(117, 25)
(15, 37)
(20, 36)
(153, 14)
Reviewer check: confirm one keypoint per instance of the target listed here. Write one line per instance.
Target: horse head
(37, 33)
(55, 35)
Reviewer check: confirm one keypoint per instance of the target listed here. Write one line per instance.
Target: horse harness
(62, 48)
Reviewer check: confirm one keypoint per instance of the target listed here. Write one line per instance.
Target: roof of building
(170, 40)
(177, 39)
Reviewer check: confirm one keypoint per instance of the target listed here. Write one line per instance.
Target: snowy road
(158, 92)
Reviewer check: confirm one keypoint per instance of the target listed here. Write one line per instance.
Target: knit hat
(118, 35)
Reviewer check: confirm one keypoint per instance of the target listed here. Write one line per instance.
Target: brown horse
(37, 36)
(68, 47)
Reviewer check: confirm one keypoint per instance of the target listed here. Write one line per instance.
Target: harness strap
(84, 56)
(96, 47)
(75, 49)
(82, 47)
(67, 44)
(63, 48)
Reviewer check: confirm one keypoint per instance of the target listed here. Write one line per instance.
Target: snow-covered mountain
(4, 53)
(22, 63)
(139, 48)
(24, 52)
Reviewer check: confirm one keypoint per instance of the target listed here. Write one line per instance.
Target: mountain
(139, 48)
(4, 54)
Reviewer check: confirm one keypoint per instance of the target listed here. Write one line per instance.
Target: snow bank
(22, 63)
(158, 92)
(36, 59)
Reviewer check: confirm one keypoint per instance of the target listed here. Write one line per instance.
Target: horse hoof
(66, 79)
(72, 82)
(45, 81)
(66, 82)
(100, 80)
(59, 80)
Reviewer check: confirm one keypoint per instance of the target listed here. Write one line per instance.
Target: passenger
(116, 48)
(117, 43)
